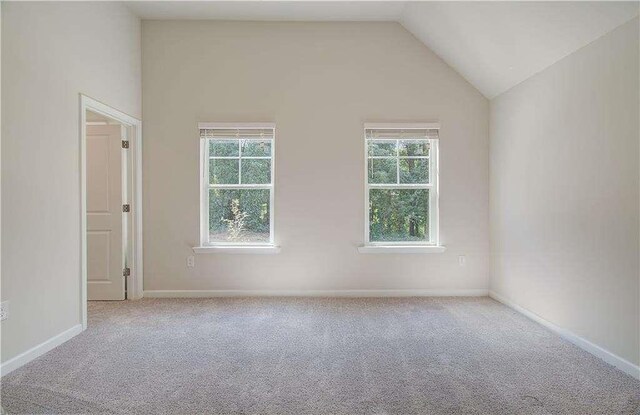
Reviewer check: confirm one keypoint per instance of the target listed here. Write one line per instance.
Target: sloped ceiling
(494, 45)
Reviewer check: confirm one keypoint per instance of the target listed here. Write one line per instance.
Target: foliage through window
(402, 185)
(237, 191)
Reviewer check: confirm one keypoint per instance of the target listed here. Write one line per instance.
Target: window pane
(398, 215)
(239, 215)
(256, 148)
(223, 148)
(223, 171)
(414, 148)
(383, 170)
(382, 148)
(414, 170)
(256, 171)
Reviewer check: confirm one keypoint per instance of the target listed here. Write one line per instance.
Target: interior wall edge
(596, 350)
(557, 248)
(44, 289)
(38, 350)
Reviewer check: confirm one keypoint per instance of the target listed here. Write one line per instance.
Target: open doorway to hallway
(111, 197)
(108, 207)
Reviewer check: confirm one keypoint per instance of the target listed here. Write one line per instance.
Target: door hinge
(126, 272)
(126, 208)
(125, 144)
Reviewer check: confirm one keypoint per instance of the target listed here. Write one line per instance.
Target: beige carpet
(317, 356)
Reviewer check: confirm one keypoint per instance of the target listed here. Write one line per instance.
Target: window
(401, 185)
(237, 184)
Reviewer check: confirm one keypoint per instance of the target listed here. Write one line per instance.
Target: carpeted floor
(297, 356)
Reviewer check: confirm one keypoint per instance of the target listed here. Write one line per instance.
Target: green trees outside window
(398, 215)
(401, 186)
(399, 189)
(240, 190)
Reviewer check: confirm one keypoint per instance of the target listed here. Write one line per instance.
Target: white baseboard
(614, 360)
(314, 293)
(37, 351)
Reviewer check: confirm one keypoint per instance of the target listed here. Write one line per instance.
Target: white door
(105, 253)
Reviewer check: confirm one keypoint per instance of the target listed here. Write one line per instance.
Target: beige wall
(318, 82)
(52, 52)
(564, 193)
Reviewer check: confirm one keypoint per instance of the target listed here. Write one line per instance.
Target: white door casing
(105, 248)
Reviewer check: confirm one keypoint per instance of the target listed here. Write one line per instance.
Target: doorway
(111, 217)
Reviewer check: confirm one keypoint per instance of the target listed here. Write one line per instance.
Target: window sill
(255, 249)
(400, 249)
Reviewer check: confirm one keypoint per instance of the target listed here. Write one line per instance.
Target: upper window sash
(232, 152)
(400, 163)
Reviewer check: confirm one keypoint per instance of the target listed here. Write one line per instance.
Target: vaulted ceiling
(497, 45)
(494, 45)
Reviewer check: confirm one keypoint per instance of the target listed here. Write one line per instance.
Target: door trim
(135, 279)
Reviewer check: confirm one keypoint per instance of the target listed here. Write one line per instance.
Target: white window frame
(233, 247)
(433, 244)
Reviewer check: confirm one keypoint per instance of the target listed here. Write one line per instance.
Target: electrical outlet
(462, 260)
(191, 261)
(4, 310)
